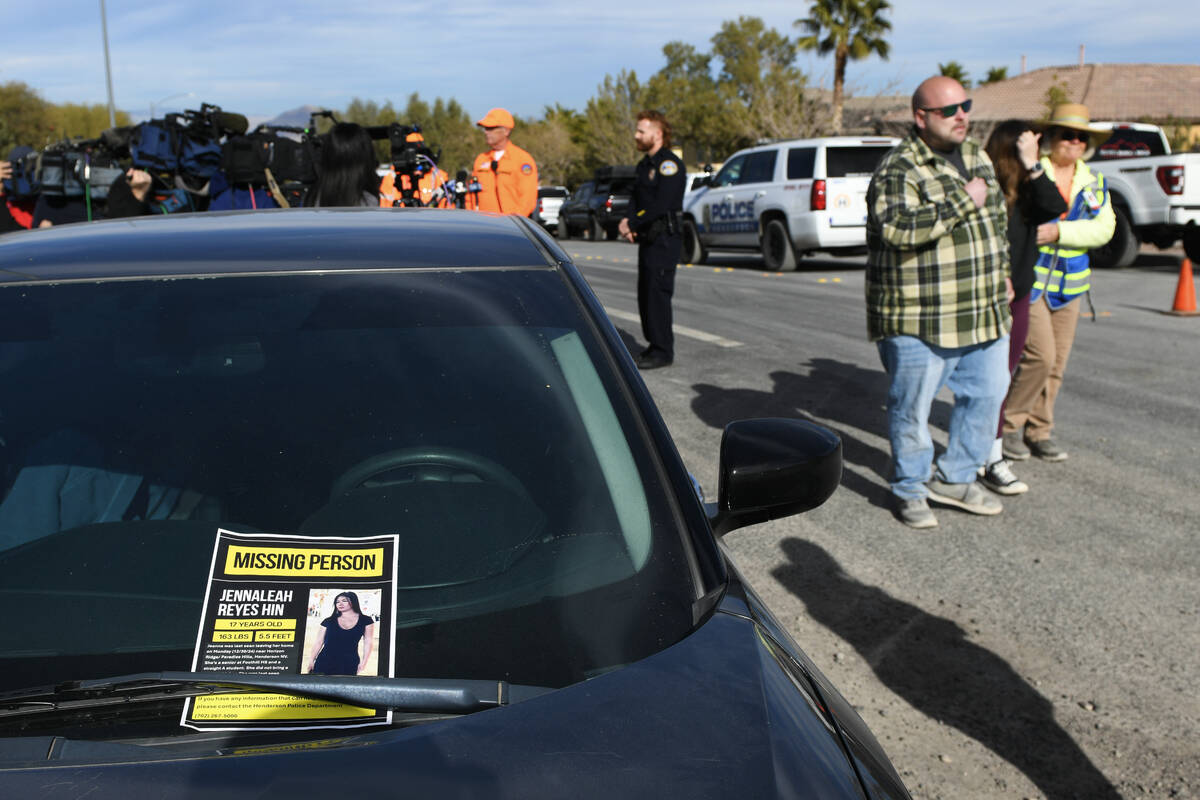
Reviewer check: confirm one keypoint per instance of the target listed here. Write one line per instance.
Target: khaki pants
(1030, 404)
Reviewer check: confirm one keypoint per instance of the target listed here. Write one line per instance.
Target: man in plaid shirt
(937, 286)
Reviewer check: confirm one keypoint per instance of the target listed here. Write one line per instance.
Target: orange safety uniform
(389, 194)
(509, 189)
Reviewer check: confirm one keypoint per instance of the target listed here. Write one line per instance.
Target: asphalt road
(1052, 651)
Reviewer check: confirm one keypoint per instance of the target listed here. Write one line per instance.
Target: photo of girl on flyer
(335, 648)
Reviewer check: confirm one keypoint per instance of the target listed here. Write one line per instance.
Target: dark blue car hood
(718, 714)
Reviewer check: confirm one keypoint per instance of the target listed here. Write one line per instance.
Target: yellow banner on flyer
(296, 562)
(253, 624)
(252, 706)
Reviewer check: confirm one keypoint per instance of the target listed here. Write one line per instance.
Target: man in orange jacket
(507, 175)
(427, 184)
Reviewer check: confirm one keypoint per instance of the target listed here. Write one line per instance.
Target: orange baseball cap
(497, 117)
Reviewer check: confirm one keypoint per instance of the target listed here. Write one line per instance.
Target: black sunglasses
(1068, 135)
(952, 109)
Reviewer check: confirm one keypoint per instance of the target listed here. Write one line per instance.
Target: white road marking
(682, 330)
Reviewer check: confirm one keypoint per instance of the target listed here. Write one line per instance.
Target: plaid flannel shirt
(936, 264)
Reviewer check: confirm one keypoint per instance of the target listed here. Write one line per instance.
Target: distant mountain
(297, 117)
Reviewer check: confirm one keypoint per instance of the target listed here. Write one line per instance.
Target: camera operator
(128, 195)
(16, 213)
(427, 184)
(347, 169)
(507, 175)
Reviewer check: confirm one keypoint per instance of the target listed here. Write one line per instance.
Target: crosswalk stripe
(682, 330)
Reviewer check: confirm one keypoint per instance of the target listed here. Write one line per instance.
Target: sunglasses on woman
(1073, 136)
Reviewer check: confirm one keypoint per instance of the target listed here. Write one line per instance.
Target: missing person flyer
(276, 605)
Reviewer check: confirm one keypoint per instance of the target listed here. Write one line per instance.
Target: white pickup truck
(1155, 192)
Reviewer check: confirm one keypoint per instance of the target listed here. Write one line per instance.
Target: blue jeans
(978, 377)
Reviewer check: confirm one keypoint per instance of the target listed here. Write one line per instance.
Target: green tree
(448, 130)
(745, 89)
(367, 113)
(446, 126)
(558, 157)
(24, 118)
(1056, 95)
(1178, 132)
(953, 69)
(70, 120)
(850, 29)
(576, 127)
(757, 77)
(995, 75)
(687, 93)
(611, 115)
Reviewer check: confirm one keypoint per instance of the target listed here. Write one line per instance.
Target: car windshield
(473, 413)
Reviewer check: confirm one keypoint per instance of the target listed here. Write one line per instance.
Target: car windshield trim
(28, 279)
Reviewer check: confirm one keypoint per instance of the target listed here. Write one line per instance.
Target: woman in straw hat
(1061, 276)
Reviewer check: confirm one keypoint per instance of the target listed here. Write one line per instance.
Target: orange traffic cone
(1185, 292)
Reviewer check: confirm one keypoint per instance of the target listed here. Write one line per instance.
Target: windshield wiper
(429, 695)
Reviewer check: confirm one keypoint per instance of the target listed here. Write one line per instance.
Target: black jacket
(657, 191)
(1038, 201)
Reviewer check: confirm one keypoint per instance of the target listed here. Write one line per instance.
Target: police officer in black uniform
(653, 222)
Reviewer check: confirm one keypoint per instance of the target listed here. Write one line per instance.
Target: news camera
(71, 168)
(411, 158)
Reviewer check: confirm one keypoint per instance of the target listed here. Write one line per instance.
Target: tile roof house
(1166, 94)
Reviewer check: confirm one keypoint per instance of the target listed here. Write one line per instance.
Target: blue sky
(262, 57)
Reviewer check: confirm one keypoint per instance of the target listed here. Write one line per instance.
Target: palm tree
(955, 70)
(851, 30)
(994, 75)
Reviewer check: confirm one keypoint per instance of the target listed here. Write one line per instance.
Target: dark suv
(595, 209)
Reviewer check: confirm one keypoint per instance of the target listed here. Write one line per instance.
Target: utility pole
(112, 112)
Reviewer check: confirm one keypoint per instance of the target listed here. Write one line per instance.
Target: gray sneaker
(967, 496)
(1047, 450)
(1013, 446)
(915, 513)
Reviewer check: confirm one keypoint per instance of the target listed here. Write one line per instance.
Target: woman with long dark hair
(335, 651)
(1062, 274)
(1032, 199)
(347, 175)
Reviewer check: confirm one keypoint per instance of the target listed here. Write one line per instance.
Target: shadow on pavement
(844, 396)
(630, 341)
(929, 661)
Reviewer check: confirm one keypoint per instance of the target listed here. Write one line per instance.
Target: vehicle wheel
(595, 229)
(561, 231)
(1191, 241)
(1122, 248)
(694, 251)
(777, 251)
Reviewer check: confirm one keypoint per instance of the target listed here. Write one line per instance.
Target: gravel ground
(1049, 652)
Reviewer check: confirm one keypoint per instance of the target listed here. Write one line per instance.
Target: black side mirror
(772, 468)
(701, 181)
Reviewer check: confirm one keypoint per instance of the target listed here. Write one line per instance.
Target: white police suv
(786, 199)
